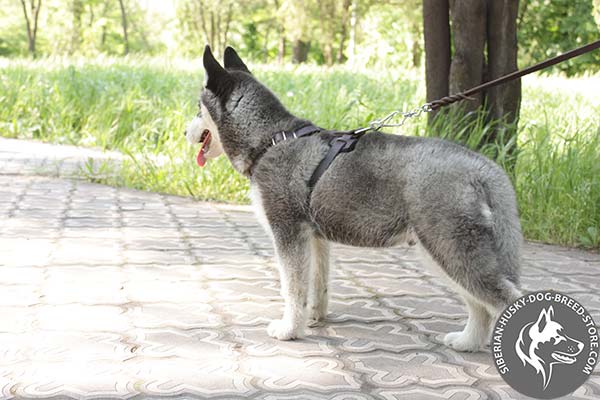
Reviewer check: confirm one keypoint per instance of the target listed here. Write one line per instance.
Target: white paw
(283, 330)
(460, 341)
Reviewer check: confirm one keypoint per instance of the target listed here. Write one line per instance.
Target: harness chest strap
(339, 142)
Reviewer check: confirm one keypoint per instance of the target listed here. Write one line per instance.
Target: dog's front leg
(318, 296)
(293, 251)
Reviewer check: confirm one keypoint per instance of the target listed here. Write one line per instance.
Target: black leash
(384, 122)
(342, 142)
(444, 101)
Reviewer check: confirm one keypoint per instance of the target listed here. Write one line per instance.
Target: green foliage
(548, 28)
(372, 33)
(399, 37)
(141, 106)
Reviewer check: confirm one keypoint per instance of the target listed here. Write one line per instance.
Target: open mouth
(205, 142)
(563, 358)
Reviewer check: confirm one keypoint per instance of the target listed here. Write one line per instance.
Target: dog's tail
(500, 207)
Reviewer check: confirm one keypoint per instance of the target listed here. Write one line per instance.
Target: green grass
(141, 106)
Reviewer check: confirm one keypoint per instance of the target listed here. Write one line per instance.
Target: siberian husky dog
(456, 204)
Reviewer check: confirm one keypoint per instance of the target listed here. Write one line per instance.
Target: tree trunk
(475, 23)
(328, 53)
(436, 33)
(227, 23)
(300, 51)
(328, 29)
(281, 49)
(212, 32)
(352, 36)
(31, 22)
(504, 100)
(265, 49)
(345, 20)
(468, 34)
(124, 25)
(103, 36)
(77, 11)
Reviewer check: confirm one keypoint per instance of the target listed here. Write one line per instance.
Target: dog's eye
(558, 339)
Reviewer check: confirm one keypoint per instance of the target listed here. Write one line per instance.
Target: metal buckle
(284, 136)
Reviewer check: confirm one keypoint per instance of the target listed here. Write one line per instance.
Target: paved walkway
(111, 292)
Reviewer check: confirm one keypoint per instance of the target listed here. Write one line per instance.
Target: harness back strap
(339, 142)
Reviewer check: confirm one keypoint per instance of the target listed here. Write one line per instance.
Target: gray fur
(457, 204)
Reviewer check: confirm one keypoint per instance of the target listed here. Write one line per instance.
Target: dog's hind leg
(318, 295)
(476, 333)
(293, 248)
(485, 290)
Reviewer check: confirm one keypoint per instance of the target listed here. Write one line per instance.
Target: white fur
(259, 211)
(486, 213)
(193, 133)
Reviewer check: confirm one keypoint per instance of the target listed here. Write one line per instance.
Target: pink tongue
(201, 158)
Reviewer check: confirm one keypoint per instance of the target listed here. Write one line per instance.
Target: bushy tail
(506, 229)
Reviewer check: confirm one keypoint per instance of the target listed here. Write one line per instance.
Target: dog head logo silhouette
(544, 344)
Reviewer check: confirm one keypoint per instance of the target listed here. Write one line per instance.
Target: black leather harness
(339, 142)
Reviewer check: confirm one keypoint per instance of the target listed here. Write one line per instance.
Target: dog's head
(544, 343)
(237, 113)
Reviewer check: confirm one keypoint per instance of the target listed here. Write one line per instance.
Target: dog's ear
(233, 61)
(544, 318)
(216, 77)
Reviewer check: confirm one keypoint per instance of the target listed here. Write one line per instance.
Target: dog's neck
(247, 163)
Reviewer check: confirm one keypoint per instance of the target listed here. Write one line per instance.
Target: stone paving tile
(254, 343)
(389, 370)
(403, 286)
(284, 373)
(186, 315)
(418, 308)
(419, 392)
(365, 338)
(252, 312)
(363, 310)
(115, 293)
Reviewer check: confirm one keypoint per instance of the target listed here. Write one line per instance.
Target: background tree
(77, 31)
(334, 17)
(206, 22)
(124, 26)
(546, 30)
(31, 22)
(436, 33)
(476, 26)
(296, 17)
(373, 33)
